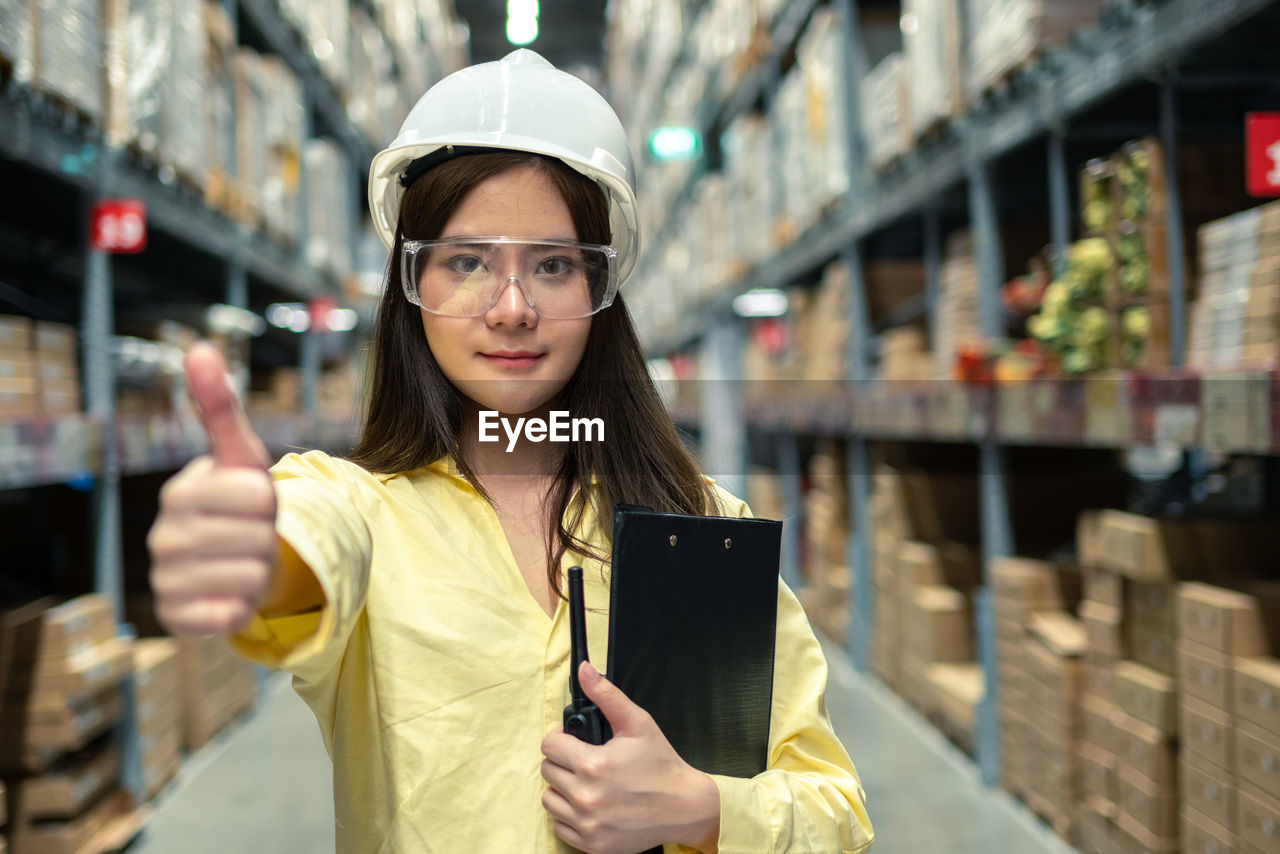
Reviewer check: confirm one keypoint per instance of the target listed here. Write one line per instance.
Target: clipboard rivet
(673, 539)
(728, 543)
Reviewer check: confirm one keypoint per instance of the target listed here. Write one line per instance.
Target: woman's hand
(631, 793)
(214, 543)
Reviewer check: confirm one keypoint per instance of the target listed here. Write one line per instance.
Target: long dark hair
(414, 414)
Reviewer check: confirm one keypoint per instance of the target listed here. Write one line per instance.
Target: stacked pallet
(39, 371)
(958, 321)
(1228, 723)
(1009, 36)
(922, 644)
(1236, 317)
(62, 669)
(157, 708)
(1160, 774)
(217, 687)
(826, 542)
(1022, 589)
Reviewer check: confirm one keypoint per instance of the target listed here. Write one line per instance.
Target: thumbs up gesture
(214, 543)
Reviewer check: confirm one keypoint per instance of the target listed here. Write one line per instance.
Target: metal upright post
(1059, 199)
(1173, 221)
(997, 528)
(858, 460)
(724, 435)
(238, 296)
(857, 454)
(98, 327)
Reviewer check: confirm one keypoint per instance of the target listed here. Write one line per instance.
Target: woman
(414, 589)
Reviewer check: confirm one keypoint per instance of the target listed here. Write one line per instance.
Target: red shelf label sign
(119, 226)
(1262, 150)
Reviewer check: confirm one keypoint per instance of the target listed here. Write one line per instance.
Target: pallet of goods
(217, 687)
(1011, 36)
(157, 707)
(61, 674)
(933, 48)
(1161, 759)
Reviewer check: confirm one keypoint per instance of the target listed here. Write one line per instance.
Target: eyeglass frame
(410, 248)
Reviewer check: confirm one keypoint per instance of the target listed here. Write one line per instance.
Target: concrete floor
(265, 785)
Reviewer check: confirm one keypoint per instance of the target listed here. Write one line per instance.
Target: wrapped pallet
(932, 38)
(222, 188)
(820, 56)
(330, 207)
(746, 147)
(16, 43)
(282, 138)
(886, 111)
(154, 59)
(68, 46)
(1009, 35)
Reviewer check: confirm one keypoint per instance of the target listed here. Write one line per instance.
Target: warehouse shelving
(1046, 115)
(79, 488)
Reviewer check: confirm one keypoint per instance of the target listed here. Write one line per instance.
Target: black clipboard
(693, 610)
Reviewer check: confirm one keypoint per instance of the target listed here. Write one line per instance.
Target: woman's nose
(510, 304)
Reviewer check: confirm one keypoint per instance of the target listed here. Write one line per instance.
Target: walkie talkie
(582, 718)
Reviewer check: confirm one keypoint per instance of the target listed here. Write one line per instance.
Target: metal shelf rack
(1137, 44)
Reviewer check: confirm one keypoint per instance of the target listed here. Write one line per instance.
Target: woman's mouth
(512, 358)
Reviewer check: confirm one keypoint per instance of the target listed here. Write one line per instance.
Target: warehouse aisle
(266, 785)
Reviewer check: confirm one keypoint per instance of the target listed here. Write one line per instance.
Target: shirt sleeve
(318, 518)
(810, 798)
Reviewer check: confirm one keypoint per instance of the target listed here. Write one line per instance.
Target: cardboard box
(1152, 642)
(1153, 805)
(86, 673)
(1103, 587)
(1145, 749)
(1231, 621)
(1062, 633)
(74, 626)
(63, 727)
(1156, 600)
(1097, 773)
(16, 364)
(76, 835)
(1104, 626)
(1207, 732)
(1146, 695)
(1138, 839)
(1205, 674)
(1256, 692)
(1257, 818)
(1208, 789)
(1098, 679)
(1096, 716)
(1144, 548)
(54, 338)
(65, 791)
(15, 332)
(1257, 757)
(1202, 835)
(19, 397)
(944, 631)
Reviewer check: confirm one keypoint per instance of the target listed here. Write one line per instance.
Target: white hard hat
(520, 103)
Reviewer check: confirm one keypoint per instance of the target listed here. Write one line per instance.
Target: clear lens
(464, 277)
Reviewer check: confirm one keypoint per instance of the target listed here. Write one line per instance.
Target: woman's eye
(555, 267)
(464, 264)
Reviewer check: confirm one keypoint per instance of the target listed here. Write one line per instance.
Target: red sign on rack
(1262, 150)
(119, 226)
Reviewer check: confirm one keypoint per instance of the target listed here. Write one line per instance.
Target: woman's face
(509, 358)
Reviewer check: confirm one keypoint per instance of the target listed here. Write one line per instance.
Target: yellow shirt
(434, 675)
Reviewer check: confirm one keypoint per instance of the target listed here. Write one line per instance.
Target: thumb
(623, 715)
(233, 441)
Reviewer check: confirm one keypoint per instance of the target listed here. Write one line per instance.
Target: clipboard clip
(582, 718)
